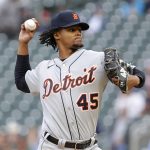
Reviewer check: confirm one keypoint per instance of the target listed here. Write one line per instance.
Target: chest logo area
(68, 82)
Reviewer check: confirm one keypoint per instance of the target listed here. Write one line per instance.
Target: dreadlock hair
(47, 39)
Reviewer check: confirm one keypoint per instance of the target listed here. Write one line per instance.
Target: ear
(56, 36)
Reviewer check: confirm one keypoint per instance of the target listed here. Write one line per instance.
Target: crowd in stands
(127, 108)
(15, 137)
(14, 12)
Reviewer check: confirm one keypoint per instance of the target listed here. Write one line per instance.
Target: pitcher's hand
(25, 35)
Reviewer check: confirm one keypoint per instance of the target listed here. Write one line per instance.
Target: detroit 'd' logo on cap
(75, 16)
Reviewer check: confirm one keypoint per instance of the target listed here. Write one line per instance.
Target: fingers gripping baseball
(116, 74)
(28, 29)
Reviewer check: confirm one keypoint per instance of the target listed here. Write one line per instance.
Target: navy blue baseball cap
(66, 19)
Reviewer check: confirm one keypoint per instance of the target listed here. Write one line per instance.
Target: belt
(81, 145)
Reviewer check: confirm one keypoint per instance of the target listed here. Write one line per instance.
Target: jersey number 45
(84, 103)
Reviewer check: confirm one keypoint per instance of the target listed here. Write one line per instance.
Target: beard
(75, 47)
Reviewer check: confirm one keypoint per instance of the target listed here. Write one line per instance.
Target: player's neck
(65, 53)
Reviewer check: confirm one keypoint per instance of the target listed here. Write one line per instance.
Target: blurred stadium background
(123, 24)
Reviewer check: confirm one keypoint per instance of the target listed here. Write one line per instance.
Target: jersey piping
(71, 96)
(64, 105)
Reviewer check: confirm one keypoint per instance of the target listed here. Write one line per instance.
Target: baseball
(30, 25)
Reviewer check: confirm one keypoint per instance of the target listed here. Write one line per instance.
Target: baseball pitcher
(71, 85)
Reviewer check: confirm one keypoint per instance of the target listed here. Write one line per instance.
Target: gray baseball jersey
(70, 93)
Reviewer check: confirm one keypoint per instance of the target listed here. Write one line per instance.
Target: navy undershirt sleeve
(22, 66)
(141, 76)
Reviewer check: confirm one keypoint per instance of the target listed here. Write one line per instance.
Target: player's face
(71, 37)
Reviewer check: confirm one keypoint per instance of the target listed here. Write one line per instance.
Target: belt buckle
(82, 143)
